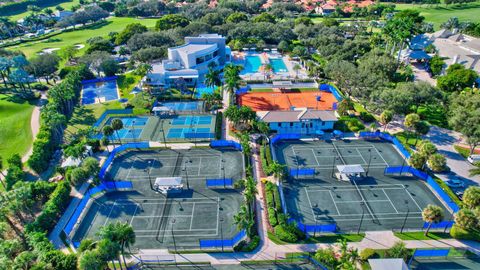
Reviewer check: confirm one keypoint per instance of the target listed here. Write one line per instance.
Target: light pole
(223, 171)
(186, 174)
(163, 134)
(369, 160)
(173, 236)
(133, 130)
(147, 170)
(333, 166)
(361, 220)
(221, 231)
(406, 217)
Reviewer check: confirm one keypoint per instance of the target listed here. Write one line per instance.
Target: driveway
(444, 140)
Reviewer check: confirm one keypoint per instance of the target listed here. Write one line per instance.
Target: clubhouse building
(187, 64)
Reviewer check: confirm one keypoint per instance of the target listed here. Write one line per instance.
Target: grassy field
(67, 5)
(113, 24)
(15, 131)
(421, 236)
(441, 13)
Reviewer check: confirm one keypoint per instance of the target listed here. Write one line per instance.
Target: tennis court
(193, 120)
(374, 201)
(177, 220)
(445, 263)
(183, 106)
(270, 101)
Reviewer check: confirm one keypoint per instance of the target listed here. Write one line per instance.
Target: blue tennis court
(183, 133)
(183, 106)
(134, 121)
(192, 120)
(99, 92)
(130, 133)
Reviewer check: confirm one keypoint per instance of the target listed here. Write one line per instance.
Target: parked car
(455, 183)
(459, 194)
(473, 158)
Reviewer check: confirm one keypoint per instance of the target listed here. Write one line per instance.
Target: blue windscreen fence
(332, 89)
(103, 187)
(386, 137)
(223, 243)
(286, 136)
(109, 112)
(226, 143)
(198, 135)
(431, 252)
(439, 225)
(430, 181)
(111, 78)
(108, 162)
(312, 228)
(213, 183)
(302, 172)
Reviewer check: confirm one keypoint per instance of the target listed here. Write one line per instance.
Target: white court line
(392, 218)
(199, 166)
(130, 169)
(310, 202)
(176, 235)
(419, 208)
(364, 161)
(174, 216)
(353, 189)
(379, 214)
(314, 156)
(109, 213)
(361, 201)
(390, 200)
(166, 230)
(334, 203)
(329, 147)
(133, 216)
(386, 163)
(191, 216)
(218, 213)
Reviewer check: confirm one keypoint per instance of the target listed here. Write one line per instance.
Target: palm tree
(91, 260)
(108, 250)
(212, 78)
(277, 169)
(385, 118)
(267, 68)
(125, 236)
(232, 77)
(107, 132)
(432, 214)
(244, 220)
(296, 68)
(249, 193)
(117, 124)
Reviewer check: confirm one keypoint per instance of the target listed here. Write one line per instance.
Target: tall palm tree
(249, 193)
(277, 169)
(296, 68)
(107, 132)
(432, 214)
(212, 78)
(232, 77)
(125, 236)
(117, 124)
(244, 220)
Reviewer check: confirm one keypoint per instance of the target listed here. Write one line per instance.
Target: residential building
(458, 48)
(301, 120)
(187, 64)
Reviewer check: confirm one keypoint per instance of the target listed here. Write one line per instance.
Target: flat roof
(274, 101)
(191, 48)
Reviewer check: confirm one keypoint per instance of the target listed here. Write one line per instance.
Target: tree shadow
(83, 116)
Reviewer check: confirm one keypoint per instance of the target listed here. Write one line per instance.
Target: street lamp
(223, 171)
(186, 173)
(369, 160)
(221, 231)
(173, 236)
(147, 170)
(132, 129)
(406, 217)
(361, 220)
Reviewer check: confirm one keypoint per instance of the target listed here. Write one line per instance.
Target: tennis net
(338, 152)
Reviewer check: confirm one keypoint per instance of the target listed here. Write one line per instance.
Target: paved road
(445, 139)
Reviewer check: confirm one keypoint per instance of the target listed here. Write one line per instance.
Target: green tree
(107, 132)
(244, 220)
(117, 125)
(436, 65)
(237, 17)
(68, 52)
(212, 78)
(417, 161)
(427, 148)
(457, 78)
(283, 46)
(471, 197)
(108, 250)
(432, 214)
(121, 233)
(129, 31)
(171, 21)
(264, 17)
(277, 169)
(91, 260)
(464, 116)
(398, 250)
(466, 219)
(437, 162)
(385, 118)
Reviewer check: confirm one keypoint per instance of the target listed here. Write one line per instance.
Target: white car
(473, 158)
(455, 183)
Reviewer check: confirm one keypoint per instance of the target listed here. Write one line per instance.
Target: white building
(187, 64)
(303, 121)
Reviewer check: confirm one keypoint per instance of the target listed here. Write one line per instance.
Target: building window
(279, 124)
(291, 124)
(323, 123)
(311, 124)
(215, 53)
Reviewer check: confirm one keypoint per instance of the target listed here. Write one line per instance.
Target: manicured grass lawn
(15, 131)
(465, 152)
(67, 5)
(126, 83)
(85, 116)
(421, 236)
(441, 13)
(330, 239)
(113, 24)
(433, 114)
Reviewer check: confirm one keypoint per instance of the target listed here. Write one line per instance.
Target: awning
(161, 109)
(319, 132)
(183, 76)
(168, 181)
(350, 169)
(337, 132)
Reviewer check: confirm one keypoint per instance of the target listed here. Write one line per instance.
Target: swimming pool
(203, 89)
(99, 91)
(278, 65)
(252, 64)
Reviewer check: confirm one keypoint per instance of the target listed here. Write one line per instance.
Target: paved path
(35, 123)
(444, 140)
(421, 74)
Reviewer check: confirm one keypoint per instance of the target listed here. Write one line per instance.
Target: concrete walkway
(35, 123)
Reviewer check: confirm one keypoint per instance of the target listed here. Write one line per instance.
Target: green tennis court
(371, 202)
(177, 220)
(446, 263)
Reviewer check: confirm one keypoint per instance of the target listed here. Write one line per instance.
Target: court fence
(301, 172)
(109, 112)
(428, 253)
(111, 78)
(286, 136)
(218, 183)
(83, 205)
(314, 228)
(226, 143)
(331, 89)
(430, 181)
(114, 152)
(222, 243)
(198, 135)
(386, 137)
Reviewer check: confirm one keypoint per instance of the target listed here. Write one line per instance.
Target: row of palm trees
(115, 126)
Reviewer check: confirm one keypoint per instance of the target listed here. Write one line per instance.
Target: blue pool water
(278, 65)
(94, 91)
(252, 64)
(203, 89)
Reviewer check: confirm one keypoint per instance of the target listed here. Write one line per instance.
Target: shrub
(466, 219)
(437, 162)
(367, 117)
(284, 234)
(367, 254)
(399, 250)
(355, 125)
(327, 256)
(458, 233)
(272, 217)
(248, 247)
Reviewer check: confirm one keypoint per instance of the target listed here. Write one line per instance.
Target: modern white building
(303, 121)
(187, 64)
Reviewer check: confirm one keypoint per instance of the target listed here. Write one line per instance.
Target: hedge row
(218, 126)
(266, 159)
(53, 209)
(462, 234)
